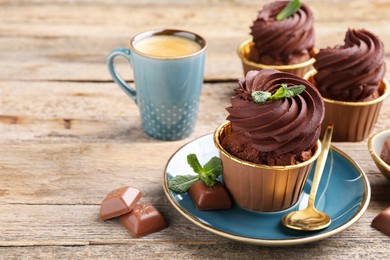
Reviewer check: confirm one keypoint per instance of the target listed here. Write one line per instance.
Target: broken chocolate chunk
(210, 197)
(119, 202)
(382, 222)
(143, 220)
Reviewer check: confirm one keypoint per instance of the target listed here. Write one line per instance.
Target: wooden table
(69, 135)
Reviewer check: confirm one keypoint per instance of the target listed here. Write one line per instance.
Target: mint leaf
(284, 91)
(194, 163)
(287, 92)
(211, 170)
(294, 91)
(291, 8)
(181, 183)
(280, 93)
(208, 178)
(214, 166)
(208, 174)
(260, 96)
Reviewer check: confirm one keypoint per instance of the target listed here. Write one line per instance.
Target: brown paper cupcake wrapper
(353, 121)
(299, 69)
(260, 187)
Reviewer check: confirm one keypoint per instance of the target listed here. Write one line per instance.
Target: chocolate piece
(210, 198)
(119, 202)
(382, 222)
(385, 154)
(143, 220)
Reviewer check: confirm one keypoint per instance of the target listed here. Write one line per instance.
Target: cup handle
(115, 75)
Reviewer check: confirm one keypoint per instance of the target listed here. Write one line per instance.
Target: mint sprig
(182, 183)
(284, 91)
(208, 174)
(291, 8)
(261, 96)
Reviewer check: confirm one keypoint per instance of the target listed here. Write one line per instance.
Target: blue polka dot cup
(167, 85)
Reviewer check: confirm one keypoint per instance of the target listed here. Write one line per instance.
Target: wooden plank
(79, 225)
(56, 20)
(81, 173)
(31, 225)
(50, 112)
(69, 59)
(66, 42)
(255, 3)
(46, 173)
(226, 250)
(357, 9)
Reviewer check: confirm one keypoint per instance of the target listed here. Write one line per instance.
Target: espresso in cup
(167, 46)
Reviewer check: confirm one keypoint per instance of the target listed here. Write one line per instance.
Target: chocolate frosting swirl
(351, 72)
(289, 125)
(282, 42)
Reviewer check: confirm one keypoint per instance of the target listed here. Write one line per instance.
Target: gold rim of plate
(279, 242)
(374, 155)
(382, 97)
(243, 51)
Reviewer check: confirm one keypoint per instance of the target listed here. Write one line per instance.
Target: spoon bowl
(310, 218)
(307, 219)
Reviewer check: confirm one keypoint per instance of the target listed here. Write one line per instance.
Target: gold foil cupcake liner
(261, 187)
(299, 69)
(353, 121)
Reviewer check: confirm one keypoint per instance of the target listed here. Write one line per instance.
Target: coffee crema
(167, 46)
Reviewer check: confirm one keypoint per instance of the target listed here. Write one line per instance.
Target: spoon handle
(320, 165)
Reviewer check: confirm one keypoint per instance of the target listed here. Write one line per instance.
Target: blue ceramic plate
(344, 194)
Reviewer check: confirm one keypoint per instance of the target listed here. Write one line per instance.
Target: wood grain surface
(69, 135)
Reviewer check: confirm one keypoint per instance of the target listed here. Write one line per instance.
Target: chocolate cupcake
(286, 45)
(350, 78)
(268, 148)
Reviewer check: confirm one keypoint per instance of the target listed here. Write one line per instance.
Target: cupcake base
(353, 121)
(260, 187)
(299, 69)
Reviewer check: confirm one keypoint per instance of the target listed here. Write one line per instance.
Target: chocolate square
(143, 220)
(210, 198)
(382, 222)
(119, 202)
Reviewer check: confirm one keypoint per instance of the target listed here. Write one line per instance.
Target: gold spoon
(310, 218)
